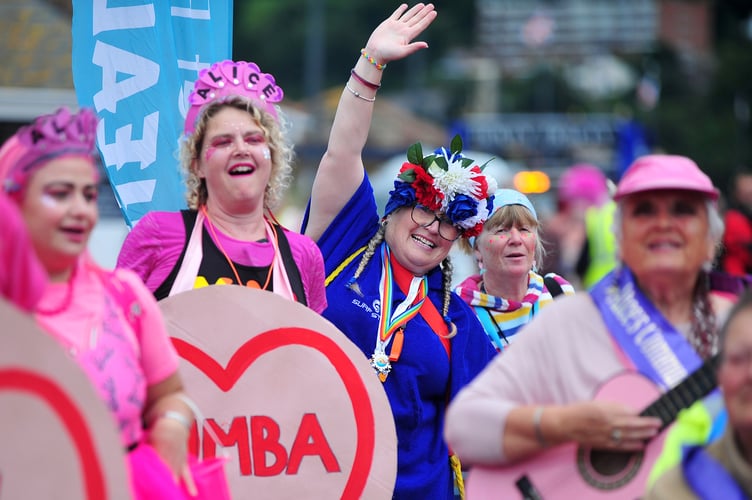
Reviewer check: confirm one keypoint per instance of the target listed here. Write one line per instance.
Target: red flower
(425, 192)
(473, 231)
(482, 182)
(407, 166)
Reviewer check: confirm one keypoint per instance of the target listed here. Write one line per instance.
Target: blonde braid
(374, 242)
(446, 272)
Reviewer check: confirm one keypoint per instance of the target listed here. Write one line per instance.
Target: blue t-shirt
(424, 378)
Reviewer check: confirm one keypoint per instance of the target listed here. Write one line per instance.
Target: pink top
(153, 247)
(22, 277)
(121, 362)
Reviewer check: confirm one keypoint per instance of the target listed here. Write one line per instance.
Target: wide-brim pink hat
(664, 172)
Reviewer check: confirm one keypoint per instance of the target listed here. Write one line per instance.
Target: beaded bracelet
(363, 81)
(358, 94)
(371, 59)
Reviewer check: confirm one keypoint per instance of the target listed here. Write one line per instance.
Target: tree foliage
(701, 113)
(275, 35)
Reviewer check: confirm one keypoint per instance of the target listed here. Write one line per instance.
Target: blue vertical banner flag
(135, 62)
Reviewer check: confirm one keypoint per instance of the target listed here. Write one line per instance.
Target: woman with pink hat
(509, 292)
(107, 321)
(238, 163)
(654, 316)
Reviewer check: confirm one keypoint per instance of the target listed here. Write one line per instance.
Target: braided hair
(703, 328)
(446, 272)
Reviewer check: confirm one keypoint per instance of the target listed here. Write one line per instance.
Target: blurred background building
(539, 84)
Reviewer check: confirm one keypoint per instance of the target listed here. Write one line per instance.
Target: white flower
(492, 185)
(453, 181)
(481, 216)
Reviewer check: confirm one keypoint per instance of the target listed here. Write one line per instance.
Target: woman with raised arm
(389, 277)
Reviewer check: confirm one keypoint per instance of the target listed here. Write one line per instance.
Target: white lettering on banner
(190, 13)
(119, 18)
(187, 87)
(125, 149)
(132, 60)
(135, 192)
(112, 60)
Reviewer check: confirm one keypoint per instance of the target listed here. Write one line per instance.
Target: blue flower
(490, 204)
(402, 195)
(448, 155)
(462, 207)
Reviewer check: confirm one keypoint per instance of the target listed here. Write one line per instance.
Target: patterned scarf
(508, 315)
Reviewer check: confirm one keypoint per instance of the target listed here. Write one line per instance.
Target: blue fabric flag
(135, 64)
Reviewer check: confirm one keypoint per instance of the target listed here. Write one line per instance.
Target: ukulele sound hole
(608, 470)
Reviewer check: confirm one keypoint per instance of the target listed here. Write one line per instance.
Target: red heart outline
(17, 379)
(250, 351)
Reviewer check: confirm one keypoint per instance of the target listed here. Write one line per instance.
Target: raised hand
(392, 39)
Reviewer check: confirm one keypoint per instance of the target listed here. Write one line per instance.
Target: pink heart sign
(286, 396)
(59, 439)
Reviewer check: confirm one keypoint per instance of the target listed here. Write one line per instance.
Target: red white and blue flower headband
(445, 182)
(229, 78)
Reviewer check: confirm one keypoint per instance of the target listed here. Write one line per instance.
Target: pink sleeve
(22, 277)
(159, 359)
(310, 263)
(153, 247)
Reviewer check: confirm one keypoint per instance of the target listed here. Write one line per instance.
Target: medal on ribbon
(392, 324)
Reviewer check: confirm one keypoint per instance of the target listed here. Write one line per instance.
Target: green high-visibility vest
(601, 242)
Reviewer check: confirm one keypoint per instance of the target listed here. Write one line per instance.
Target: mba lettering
(260, 452)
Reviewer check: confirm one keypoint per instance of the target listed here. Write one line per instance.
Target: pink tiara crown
(228, 78)
(48, 137)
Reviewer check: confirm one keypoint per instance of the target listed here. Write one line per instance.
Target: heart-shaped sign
(59, 439)
(290, 399)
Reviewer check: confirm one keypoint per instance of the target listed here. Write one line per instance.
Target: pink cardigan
(155, 244)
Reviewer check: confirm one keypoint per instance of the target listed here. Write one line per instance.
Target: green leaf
(467, 162)
(483, 167)
(456, 145)
(408, 175)
(440, 161)
(415, 154)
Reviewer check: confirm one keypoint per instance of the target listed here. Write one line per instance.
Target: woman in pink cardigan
(655, 314)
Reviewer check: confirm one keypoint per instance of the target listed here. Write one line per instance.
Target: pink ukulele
(570, 471)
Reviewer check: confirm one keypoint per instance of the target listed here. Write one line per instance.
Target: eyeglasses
(425, 217)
